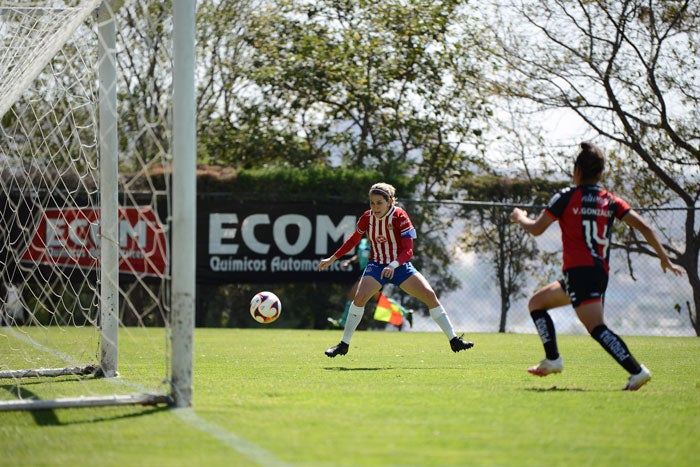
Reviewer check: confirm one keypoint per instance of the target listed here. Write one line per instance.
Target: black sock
(616, 347)
(545, 328)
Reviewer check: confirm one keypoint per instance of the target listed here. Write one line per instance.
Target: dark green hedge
(290, 183)
(305, 305)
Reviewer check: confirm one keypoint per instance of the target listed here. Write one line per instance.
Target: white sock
(352, 321)
(439, 315)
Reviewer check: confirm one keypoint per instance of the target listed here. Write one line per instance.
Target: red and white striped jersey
(385, 234)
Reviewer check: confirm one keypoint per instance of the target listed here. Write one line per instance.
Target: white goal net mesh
(50, 201)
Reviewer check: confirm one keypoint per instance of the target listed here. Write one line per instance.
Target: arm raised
(634, 220)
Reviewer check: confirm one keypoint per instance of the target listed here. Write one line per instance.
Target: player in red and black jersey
(390, 233)
(586, 213)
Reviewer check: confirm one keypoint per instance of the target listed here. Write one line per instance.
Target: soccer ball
(265, 307)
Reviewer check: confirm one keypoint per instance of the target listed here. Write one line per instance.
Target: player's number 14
(590, 229)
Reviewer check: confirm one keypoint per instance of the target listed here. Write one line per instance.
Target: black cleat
(340, 349)
(457, 344)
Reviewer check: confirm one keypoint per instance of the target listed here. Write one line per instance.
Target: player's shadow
(344, 368)
(389, 368)
(557, 389)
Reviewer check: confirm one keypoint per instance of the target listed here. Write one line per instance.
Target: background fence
(640, 299)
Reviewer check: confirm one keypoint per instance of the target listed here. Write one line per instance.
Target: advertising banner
(272, 242)
(70, 237)
(237, 241)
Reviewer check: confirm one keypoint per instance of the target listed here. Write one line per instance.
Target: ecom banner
(254, 242)
(70, 237)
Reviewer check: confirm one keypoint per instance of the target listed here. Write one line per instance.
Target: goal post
(184, 202)
(109, 204)
(90, 227)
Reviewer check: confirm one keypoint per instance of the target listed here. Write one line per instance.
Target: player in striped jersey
(586, 213)
(390, 233)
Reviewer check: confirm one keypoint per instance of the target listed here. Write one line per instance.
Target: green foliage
(284, 183)
(144, 91)
(499, 189)
(385, 85)
(253, 144)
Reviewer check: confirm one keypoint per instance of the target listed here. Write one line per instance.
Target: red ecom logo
(71, 237)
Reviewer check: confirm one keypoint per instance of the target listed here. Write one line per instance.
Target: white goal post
(92, 254)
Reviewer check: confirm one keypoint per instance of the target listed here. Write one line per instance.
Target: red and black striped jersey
(586, 214)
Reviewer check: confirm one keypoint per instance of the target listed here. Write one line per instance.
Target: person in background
(586, 212)
(390, 233)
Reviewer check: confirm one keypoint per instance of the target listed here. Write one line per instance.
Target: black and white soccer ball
(265, 307)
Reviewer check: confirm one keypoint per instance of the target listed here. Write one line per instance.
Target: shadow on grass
(57, 379)
(48, 417)
(391, 368)
(343, 368)
(556, 389)
(137, 411)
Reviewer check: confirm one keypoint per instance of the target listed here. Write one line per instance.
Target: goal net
(85, 309)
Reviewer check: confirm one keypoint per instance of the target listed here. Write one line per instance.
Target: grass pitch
(271, 397)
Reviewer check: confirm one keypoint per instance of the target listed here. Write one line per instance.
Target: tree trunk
(505, 306)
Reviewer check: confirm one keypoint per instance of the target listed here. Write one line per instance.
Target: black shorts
(585, 284)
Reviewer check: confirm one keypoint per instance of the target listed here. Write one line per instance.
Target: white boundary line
(187, 415)
(243, 446)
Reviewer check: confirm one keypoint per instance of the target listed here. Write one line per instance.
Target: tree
(230, 132)
(388, 85)
(629, 70)
(144, 98)
(490, 231)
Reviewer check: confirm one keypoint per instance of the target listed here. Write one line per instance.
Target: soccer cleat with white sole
(457, 344)
(547, 367)
(340, 349)
(637, 381)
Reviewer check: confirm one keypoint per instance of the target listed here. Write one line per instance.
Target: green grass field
(270, 397)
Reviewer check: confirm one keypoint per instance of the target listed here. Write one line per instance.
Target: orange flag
(388, 310)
